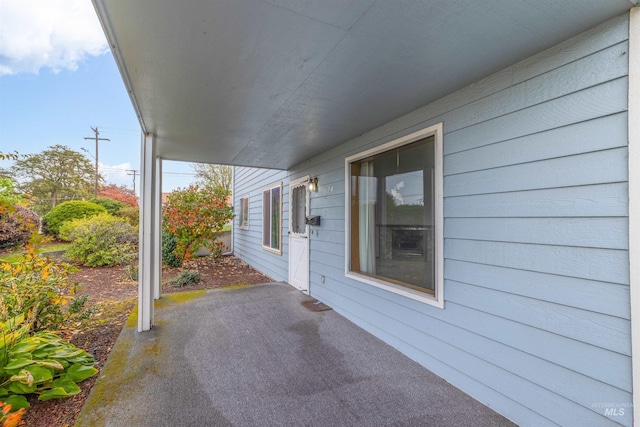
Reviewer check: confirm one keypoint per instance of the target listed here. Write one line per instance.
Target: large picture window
(272, 218)
(394, 216)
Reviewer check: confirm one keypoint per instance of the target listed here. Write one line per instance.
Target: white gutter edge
(98, 5)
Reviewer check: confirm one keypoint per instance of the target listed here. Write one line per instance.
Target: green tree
(194, 216)
(56, 174)
(4, 173)
(209, 175)
(9, 194)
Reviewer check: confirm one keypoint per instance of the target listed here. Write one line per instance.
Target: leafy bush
(35, 293)
(194, 216)
(187, 278)
(17, 223)
(68, 211)
(132, 215)
(101, 240)
(169, 257)
(39, 288)
(40, 363)
(112, 206)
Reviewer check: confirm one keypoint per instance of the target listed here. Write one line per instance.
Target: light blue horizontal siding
(536, 316)
(594, 135)
(590, 295)
(247, 243)
(605, 233)
(601, 330)
(563, 111)
(561, 172)
(598, 200)
(586, 263)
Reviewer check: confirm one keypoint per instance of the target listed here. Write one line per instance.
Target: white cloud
(55, 34)
(118, 174)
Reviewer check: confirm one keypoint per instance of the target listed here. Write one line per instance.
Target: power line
(134, 173)
(95, 191)
(121, 170)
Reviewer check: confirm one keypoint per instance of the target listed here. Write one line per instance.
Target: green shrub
(169, 244)
(38, 288)
(68, 211)
(112, 206)
(17, 223)
(132, 215)
(187, 278)
(194, 215)
(101, 240)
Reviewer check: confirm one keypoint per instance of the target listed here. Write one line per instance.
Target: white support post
(157, 232)
(634, 202)
(149, 242)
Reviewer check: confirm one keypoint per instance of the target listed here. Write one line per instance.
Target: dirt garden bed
(113, 296)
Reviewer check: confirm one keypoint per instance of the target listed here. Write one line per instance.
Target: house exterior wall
(536, 295)
(247, 243)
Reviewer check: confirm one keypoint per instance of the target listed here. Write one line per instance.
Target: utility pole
(134, 173)
(95, 190)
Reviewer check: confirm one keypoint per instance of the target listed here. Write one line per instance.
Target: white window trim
(634, 202)
(267, 248)
(438, 301)
(240, 226)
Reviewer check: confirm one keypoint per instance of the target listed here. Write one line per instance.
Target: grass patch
(17, 255)
(55, 247)
(11, 257)
(106, 312)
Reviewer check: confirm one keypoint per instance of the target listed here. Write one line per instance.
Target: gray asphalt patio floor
(258, 356)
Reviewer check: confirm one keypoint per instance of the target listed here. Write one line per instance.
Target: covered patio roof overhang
(272, 83)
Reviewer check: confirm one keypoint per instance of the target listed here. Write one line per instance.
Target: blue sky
(57, 80)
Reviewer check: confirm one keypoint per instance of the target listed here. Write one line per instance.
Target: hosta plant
(40, 363)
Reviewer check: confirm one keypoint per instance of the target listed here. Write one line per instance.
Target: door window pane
(299, 209)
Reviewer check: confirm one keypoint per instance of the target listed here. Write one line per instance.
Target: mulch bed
(114, 295)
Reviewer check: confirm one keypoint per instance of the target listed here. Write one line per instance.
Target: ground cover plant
(186, 278)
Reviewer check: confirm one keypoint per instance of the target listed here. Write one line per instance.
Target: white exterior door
(299, 234)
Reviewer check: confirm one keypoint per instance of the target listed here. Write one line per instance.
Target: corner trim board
(634, 202)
